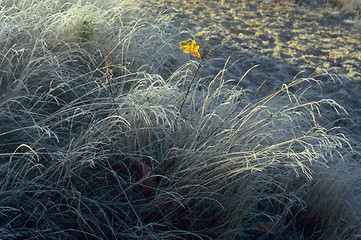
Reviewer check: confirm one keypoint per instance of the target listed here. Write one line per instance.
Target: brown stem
(190, 85)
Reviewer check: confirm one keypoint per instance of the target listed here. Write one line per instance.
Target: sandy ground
(283, 40)
(281, 31)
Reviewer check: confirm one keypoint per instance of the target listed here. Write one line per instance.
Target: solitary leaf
(190, 46)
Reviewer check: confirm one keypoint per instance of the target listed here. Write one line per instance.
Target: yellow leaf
(190, 46)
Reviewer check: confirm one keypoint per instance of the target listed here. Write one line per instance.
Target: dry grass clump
(241, 174)
(350, 7)
(94, 148)
(330, 189)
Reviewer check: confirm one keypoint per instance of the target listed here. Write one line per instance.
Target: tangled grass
(352, 8)
(93, 145)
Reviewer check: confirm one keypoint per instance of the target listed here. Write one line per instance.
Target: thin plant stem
(191, 83)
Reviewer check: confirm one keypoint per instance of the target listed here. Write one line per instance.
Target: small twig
(221, 45)
(190, 85)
